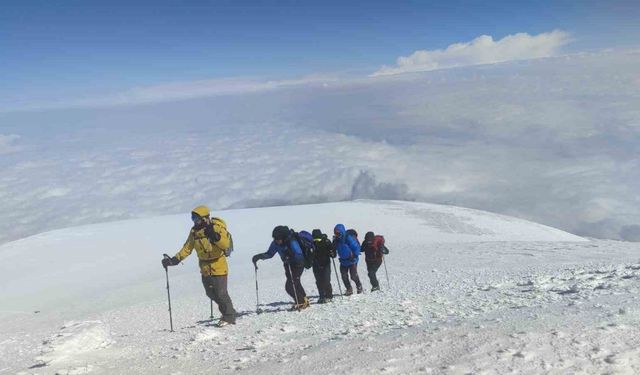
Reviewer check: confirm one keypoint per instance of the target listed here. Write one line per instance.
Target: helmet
(201, 211)
(369, 236)
(280, 232)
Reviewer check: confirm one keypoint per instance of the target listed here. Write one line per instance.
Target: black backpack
(305, 240)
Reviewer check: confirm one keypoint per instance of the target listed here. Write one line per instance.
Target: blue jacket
(347, 247)
(286, 251)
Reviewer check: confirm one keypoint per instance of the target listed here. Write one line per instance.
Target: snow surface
(470, 293)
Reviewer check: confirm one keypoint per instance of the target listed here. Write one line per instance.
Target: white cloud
(175, 91)
(481, 50)
(551, 140)
(8, 143)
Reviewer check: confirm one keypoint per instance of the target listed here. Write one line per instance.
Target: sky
(71, 49)
(117, 111)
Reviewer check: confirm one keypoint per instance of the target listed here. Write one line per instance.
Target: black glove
(211, 234)
(173, 261)
(385, 250)
(256, 258)
(332, 253)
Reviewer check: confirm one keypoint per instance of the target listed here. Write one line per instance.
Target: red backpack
(376, 248)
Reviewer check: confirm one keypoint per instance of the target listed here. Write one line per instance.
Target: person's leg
(354, 276)
(369, 267)
(208, 287)
(222, 298)
(344, 272)
(297, 274)
(318, 274)
(288, 285)
(372, 268)
(326, 277)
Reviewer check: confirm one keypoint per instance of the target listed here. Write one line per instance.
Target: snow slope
(471, 292)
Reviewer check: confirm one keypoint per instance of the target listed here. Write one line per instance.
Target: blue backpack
(305, 239)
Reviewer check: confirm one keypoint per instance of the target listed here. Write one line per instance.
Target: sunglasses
(195, 218)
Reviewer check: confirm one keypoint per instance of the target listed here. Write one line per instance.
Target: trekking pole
(337, 278)
(210, 299)
(386, 273)
(293, 283)
(166, 270)
(258, 310)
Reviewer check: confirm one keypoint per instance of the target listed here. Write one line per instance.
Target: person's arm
(332, 249)
(273, 249)
(187, 248)
(218, 235)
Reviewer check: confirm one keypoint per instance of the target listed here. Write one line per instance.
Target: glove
(211, 234)
(256, 258)
(332, 253)
(173, 261)
(385, 250)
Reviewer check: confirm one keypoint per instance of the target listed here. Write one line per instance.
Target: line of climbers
(297, 250)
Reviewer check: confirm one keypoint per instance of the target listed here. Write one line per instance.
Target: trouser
(322, 274)
(216, 289)
(372, 268)
(297, 270)
(353, 270)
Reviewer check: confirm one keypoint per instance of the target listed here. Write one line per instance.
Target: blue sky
(76, 48)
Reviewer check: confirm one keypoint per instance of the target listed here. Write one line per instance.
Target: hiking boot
(305, 304)
(222, 323)
(348, 292)
(322, 300)
(360, 290)
(301, 306)
(375, 288)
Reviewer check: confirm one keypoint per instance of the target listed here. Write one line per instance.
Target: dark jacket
(324, 251)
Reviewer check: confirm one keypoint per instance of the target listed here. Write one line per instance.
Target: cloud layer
(481, 50)
(550, 140)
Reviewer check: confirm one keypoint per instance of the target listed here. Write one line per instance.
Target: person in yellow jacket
(210, 239)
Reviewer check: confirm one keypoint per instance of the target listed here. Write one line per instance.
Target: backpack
(221, 222)
(353, 233)
(305, 240)
(376, 248)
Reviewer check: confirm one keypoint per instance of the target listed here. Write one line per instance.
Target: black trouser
(372, 268)
(297, 270)
(323, 279)
(216, 288)
(353, 270)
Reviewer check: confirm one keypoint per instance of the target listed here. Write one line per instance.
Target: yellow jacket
(211, 255)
